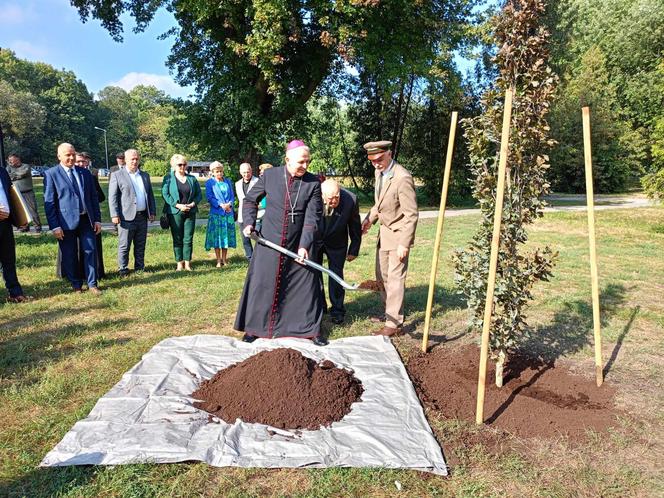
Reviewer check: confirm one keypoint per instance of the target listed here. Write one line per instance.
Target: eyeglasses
(181, 164)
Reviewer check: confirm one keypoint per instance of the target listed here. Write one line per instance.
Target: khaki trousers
(392, 273)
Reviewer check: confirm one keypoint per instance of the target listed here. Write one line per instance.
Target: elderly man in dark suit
(339, 224)
(131, 204)
(72, 210)
(7, 243)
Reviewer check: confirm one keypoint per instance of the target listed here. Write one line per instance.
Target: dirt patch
(281, 388)
(373, 285)
(536, 400)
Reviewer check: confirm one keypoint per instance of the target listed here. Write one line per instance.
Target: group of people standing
(284, 298)
(286, 205)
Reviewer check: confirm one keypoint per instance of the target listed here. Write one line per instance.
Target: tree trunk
(500, 366)
(405, 116)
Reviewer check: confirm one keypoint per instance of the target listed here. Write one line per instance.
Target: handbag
(163, 221)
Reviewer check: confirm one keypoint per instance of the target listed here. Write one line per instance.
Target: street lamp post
(105, 144)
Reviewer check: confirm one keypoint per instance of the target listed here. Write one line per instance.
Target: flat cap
(374, 148)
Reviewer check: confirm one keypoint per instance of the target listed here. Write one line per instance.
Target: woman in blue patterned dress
(221, 222)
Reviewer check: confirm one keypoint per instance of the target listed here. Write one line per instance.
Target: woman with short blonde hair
(182, 194)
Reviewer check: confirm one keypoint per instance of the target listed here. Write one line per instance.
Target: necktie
(70, 174)
(380, 185)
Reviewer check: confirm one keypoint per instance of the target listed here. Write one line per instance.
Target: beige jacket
(396, 209)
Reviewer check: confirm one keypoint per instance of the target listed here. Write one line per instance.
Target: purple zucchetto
(294, 144)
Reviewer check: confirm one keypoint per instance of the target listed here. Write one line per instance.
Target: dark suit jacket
(342, 225)
(61, 200)
(6, 185)
(169, 191)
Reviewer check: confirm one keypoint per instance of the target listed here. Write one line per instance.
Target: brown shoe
(95, 290)
(388, 331)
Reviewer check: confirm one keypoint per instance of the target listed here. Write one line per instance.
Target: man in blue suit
(7, 243)
(72, 210)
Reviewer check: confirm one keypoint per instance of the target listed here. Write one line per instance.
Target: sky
(51, 31)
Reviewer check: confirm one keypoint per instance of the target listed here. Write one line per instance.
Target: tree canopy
(256, 63)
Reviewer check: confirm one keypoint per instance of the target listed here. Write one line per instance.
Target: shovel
(307, 262)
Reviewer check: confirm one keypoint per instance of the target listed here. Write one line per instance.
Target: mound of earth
(281, 388)
(373, 285)
(537, 399)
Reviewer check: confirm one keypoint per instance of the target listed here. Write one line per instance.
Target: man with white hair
(72, 210)
(242, 186)
(282, 298)
(131, 204)
(339, 224)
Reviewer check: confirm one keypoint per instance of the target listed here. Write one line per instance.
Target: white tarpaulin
(149, 416)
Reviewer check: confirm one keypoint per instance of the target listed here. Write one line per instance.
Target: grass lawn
(62, 352)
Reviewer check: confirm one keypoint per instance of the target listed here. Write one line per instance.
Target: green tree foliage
(69, 107)
(255, 63)
(617, 149)
(629, 35)
(522, 62)
(120, 118)
(22, 119)
(155, 110)
(156, 168)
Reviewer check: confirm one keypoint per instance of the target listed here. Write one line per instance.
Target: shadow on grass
(619, 342)
(571, 328)
(55, 481)
(569, 332)
(366, 304)
(23, 353)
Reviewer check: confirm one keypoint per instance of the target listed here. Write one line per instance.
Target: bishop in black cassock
(282, 298)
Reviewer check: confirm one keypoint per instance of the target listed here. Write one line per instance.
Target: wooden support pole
(588, 156)
(439, 230)
(493, 262)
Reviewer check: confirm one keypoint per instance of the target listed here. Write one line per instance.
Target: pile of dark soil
(373, 285)
(536, 400)
(281, 388)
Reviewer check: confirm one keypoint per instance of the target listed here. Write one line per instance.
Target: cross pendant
(292, 217)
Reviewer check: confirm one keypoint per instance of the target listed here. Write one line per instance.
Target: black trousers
(8, 259)
(336, 259)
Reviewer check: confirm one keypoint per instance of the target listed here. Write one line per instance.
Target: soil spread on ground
(373, 285)
(537, 399)
(281, 388)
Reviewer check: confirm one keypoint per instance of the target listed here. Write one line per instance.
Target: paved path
(602, 202)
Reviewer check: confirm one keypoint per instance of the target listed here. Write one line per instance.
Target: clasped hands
(185, 207)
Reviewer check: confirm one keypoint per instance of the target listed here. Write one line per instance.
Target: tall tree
(69, 106)
(255, 63)
(522, 62)
(22, 119)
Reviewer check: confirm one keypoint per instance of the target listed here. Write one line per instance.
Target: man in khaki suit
(396, 209)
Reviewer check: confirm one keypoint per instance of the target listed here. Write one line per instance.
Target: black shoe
(124, 273)
(249, 338)
(337, 319)
(320, 341)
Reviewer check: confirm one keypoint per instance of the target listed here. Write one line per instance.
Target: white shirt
(4, 202)
(139, 190)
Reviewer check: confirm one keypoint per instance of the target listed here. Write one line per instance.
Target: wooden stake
(439, 230)
(588, 156)
(493, 262)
